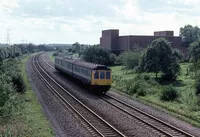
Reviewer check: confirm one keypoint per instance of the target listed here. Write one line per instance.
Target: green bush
(129, 59)
(6, 133)
(11, 82)
(128, 85)
(197, 82)
(146, 77)
(55, 54)
(198, 101)
(197, 86)
(4, 93)
(18, 83)
(169, 94)
(112, 58)
(142, 91)
(134, 89)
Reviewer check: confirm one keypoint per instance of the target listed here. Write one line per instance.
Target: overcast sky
(68, 21)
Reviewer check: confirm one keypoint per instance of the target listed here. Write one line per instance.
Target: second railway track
(96, 125)
(157, 124)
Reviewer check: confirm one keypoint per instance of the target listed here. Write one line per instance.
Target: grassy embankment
(52, 57)
(146, 89)
(29, 120)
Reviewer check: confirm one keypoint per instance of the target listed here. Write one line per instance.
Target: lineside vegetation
(20, 112)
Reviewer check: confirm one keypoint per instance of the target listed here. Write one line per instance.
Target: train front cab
(101, 80)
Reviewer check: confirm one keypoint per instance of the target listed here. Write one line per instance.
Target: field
(145, 88)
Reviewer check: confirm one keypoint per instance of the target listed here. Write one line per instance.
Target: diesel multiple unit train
(97, 77)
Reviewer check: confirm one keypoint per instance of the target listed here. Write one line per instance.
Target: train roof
(91, 65)
(67, 59)
(85, 64)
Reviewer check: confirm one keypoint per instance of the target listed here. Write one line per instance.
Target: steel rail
(147, 115)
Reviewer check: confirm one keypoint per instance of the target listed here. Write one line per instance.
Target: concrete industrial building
(111, 41)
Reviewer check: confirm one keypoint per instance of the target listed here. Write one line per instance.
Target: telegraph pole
(8, 38)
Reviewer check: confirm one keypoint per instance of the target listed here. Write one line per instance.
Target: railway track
(157, 124)
(163, 127)
(94, 123)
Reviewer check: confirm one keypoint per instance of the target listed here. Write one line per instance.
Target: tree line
(189, 34)
(19, 49)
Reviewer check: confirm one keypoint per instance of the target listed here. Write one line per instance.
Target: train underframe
(99, 89)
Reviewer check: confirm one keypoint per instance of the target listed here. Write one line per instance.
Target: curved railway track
(95, 124)
(159, 125)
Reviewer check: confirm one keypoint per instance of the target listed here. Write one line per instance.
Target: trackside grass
(51, 57)
(35, 121)
(145, 88)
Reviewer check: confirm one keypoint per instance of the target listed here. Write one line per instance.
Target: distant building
(111, 41)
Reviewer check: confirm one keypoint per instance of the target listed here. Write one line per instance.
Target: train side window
(107, 75)
(102, 75)
(96, 75)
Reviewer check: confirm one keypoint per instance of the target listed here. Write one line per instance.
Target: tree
(130, 59)
(189, 34)
(195, 51)
(195, 56)
(159, 58)
(97, 55)
(178, 54)
(76, 46)
(31, 48)
(113, 58)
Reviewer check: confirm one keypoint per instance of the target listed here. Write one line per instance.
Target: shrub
(169, 94)
(178, 54)
(4, 93)
(146, 77)
(7, 99)
(197, 83)
(55, 54)
(198, 101)
(18, 83)
(128, 85)
(112, 58)
(130, 59)
(142, 91)
(197, 86)
(10, 81)
(134, 89)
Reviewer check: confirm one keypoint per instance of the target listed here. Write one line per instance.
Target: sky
(70, 21)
